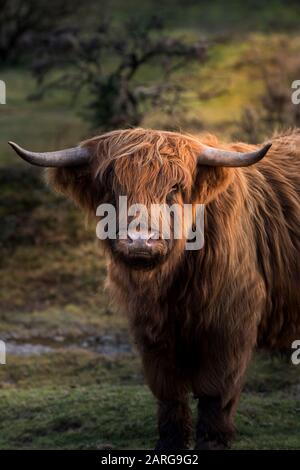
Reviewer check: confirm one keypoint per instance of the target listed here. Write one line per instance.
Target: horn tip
(15, 146)
(268, 146)
(265, 149)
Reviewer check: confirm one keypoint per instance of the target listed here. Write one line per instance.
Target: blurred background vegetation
(73, 69)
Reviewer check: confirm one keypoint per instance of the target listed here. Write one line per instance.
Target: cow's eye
(173, 191)
(174, 188)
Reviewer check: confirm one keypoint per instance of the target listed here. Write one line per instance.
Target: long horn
(69, 157)
(215, 157)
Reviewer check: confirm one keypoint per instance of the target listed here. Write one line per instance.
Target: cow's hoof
(169, 445)
(209, 445)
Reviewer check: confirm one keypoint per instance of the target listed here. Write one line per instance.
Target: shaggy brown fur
(197, 317)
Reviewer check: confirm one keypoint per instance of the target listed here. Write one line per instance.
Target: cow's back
(276, 187)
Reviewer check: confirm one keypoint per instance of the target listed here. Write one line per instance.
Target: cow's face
(149, 168)
(148, 188)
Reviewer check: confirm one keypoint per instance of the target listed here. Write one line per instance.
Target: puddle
(108, 344)
(26, 349)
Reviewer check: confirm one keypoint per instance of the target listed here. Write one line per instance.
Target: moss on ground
(77, 399)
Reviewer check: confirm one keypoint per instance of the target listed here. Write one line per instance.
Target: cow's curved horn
(69, 157)
(216, 157)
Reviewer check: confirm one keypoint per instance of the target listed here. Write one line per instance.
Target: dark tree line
(24, 19)
(122, 71)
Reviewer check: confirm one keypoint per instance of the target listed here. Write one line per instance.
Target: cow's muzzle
(143, 250)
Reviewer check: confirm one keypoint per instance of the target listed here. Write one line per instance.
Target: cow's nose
(140, 241)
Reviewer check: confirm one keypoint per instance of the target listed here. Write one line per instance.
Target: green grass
(77, 418)
(80, 368)
(79, 400)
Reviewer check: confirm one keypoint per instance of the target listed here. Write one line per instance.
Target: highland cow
(197, 316)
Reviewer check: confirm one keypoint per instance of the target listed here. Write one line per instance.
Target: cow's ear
(79, 183)
(211, 181)
(76, 183)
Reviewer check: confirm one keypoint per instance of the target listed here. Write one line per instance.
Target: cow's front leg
(217, 385)
(174, 425)
(167, 385)
(215, 428)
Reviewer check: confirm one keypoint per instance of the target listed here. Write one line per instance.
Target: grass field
(79, 399)
(71, 379)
